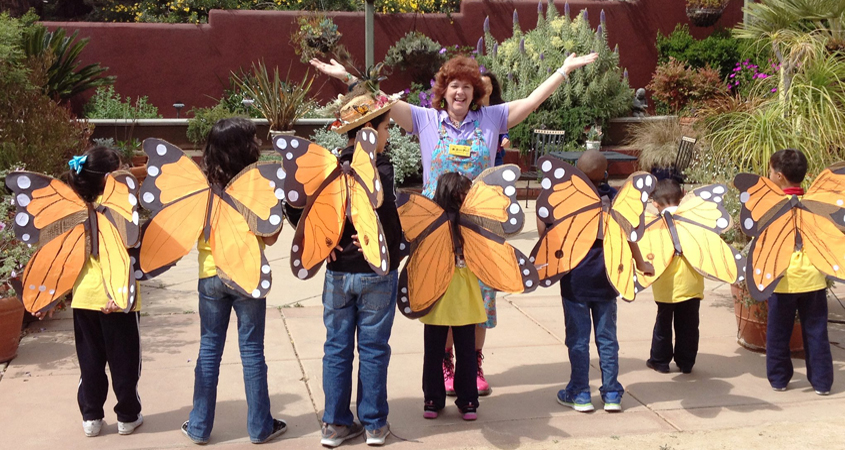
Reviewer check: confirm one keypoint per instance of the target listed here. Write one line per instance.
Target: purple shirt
(493, 121)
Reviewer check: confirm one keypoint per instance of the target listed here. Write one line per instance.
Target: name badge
(463, 151)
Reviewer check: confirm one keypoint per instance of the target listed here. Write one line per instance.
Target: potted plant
(317, 37)
(752, 320)
(281, 102)
(593, 134)
(14, 255)
(705, 13)
(657, 141)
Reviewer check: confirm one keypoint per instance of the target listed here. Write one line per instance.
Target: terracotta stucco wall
(191, 63)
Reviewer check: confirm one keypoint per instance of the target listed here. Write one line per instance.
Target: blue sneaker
(580, 403)
(612, 401)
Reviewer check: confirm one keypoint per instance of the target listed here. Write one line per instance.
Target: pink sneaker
(449, 373)
(480, 382)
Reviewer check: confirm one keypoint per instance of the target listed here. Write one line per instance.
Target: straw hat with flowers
(363, 103)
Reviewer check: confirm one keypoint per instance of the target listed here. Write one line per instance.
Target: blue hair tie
(76, 163)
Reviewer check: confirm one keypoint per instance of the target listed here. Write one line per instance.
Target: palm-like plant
(61, 52)
(280, 101)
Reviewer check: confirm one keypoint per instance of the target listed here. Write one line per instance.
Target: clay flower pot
(704, 17)
(139, 167)
(751, 322)
(11, 320)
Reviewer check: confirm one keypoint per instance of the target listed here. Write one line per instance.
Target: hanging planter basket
(704, 17)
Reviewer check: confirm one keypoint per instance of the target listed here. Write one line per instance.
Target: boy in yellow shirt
(678, 293)
(801, 289)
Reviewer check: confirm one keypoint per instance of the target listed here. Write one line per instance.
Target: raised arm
(518, 110)
(400, 113)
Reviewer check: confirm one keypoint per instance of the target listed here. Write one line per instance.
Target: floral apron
(444, 161)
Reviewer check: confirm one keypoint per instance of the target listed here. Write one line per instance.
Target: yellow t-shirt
(462, 303)
(207, 267)
(678, 283)
(89, 291)
(801, 276)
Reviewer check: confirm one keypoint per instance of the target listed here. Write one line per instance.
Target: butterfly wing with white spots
(178, 194)
(306, 166)
(492, 199)
(365, 194)
(495, 262)
(258, 193)
(120, 206)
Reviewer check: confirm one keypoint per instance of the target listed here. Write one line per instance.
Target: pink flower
(774, 89)
(2, 226)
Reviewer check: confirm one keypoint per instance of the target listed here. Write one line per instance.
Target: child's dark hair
(91, 179)
(231, 146)
(496, 91)
(667, 192)
(791, 163)
(374, 122)
(452, 188)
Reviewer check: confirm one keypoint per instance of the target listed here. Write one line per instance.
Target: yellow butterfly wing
(365, 195)
(257, 193)
(239, 258)
(657, 248)
(118, 277)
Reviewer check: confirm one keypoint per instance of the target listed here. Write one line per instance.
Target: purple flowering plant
(746, 75)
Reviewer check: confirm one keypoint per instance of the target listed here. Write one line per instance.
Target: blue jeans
(364, 303)
(216, 302)
(577, 316)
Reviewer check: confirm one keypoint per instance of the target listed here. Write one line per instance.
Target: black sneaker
(279, 428)
(468, 412)
(185, 432)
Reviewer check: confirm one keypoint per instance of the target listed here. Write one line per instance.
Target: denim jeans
(216, 302)
(362, 303)
(577, 316)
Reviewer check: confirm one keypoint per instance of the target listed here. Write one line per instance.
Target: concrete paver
(526, 364)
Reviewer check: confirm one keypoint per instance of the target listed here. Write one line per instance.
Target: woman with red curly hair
(460, 135)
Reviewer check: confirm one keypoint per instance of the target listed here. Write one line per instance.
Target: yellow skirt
(462, 304)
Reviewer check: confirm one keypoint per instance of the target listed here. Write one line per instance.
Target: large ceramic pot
(11, 320)
(751, 322)
(139, 167)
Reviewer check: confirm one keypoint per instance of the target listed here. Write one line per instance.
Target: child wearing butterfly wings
(588, 292)
(82, 231)
(776, 210)
(359, 293)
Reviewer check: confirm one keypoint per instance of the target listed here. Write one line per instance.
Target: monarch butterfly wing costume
(250, 207)
(623, 224)
(431, 263)
(489, 212)
(330, 193)
(657, 247)
(186, 207)
(571, 209)
(315, 183)
(51, 215)
(822, 221)
(179, 196)
(365, 195)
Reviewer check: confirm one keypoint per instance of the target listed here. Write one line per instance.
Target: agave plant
(281, 102)
(64, 79)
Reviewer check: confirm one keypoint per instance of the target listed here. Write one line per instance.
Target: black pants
(686, 320)
(113, 339)
(466, 365)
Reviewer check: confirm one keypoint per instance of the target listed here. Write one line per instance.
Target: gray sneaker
(334, 435)
(377, 436)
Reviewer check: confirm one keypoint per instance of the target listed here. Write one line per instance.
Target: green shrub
(593, 94)
(404, 152)
(107, 104)
(720, 50)
(329, 139)
(204, 118)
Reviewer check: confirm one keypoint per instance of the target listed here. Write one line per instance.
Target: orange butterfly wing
(493, 197)
(495, 262)
(52, 271)
(571, 208)
(120, 206)
(178, 194)
(823, 243)
(320, 228)
(240, 262)
(257, 192)
(45, 206)
(657, 248)
(625, 222)
(118, 278)
(365, 195)
(431, 264)
(307, 166)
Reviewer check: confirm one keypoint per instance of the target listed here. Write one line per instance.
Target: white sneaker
(92, 427)
(822, 392)
(125, 428)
